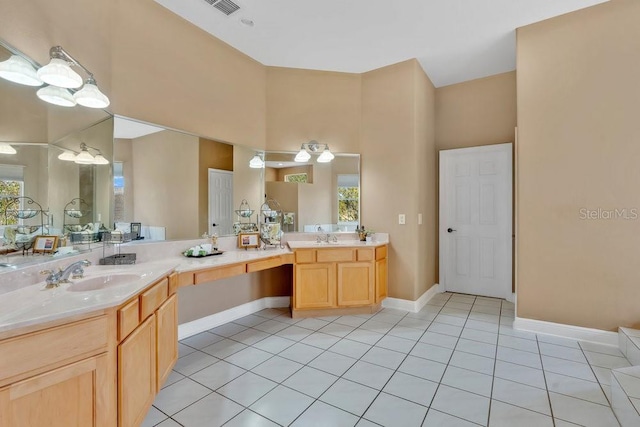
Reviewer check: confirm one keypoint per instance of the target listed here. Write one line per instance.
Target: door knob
(450, 230)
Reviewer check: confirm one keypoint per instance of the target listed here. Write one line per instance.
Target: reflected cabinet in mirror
(315, 196)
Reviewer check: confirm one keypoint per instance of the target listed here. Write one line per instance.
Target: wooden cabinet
(356, 284)
(315, 285)
(137, 374)
(339, 278)
(166, 339)
(74, 395)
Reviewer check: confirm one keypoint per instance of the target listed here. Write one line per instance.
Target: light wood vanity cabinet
(338, 278)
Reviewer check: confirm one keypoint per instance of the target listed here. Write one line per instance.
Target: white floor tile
(154, 416)
(311, 323)
(519, 357)
(179, 395)
(521, 395)
(322, 415)
(282, 405)
(301, 353)
(224, 348)
(201, 340)
(440, 340)
(411, 388)
(392, 319)
(354, 321)
(249, 336)
(294, 333)
(602, 374)
(274, 344)
(459, 305)
(576, 387)
(169, 423)
(375, 326)
(184, 349)
(337, 330)
(601, 348)
(482, 336)
(406, 332)
(454, 312)
(365, 336)
(248, 358)
(414, 323)
(552, 339)
(320, 340)
(423, 368)
(350, 348)
(332, 363)
(192, 363)
(581, 412)
(310, 381)
(505, 415)
(484, 317)
(495, 311)
(249, 418)
(247, 388)
(271, 313)
(472, 362)
(443, 328)
(518, 343)
(481, 326)
(383, 357)
(562, 352)
(472, 381)
(173, 378)
(475, 347)
(432, 352)
(228, 329)
(350, 396)
(277, 368)
(520, 374)
(217, 375)
(271, 326)
(462, 404)
(606, 360)
(391, 411)
(212, 411)
(505, 330)
(567, 367)
(396, 344)
(250, 320)
(364, 373)
(440, 419)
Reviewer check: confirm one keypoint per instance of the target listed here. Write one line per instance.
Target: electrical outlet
(419, 219)
(402, 219)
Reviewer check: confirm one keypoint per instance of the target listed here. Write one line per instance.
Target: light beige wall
(477, 112)
(304, 105)
(286, 193)
(578, 147)
(140, 52)
(214, 155)
(167, 196)
(314, 200)
(123, 152)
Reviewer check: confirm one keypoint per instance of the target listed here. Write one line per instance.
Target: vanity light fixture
(256, 162)
(303, 155)
(6, 148)
(84, 157)
(67, 155)
(18, 70)
(59, 75)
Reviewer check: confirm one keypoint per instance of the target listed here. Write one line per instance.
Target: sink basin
(101, 282)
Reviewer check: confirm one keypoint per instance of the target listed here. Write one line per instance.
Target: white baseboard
(412, 306)
(566, 331)
(511, 297)
(188, 329)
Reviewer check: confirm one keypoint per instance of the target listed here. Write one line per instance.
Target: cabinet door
(166, 338)
(75, 395)
(315, 285)
(137, 374)
(355, 283)
(381, 279)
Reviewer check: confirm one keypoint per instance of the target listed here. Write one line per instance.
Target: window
(118, 192)
(11, 186)
(348, 198)
(300, 178)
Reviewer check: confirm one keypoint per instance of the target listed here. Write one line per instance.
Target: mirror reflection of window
(348, 199)
(300, 178)
(118, 192)
(11, 186)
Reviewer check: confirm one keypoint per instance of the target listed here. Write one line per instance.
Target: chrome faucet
(75, 270)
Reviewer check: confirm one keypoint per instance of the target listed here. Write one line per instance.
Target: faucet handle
(86, 262)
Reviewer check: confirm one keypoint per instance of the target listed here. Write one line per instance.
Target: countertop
(31, 304)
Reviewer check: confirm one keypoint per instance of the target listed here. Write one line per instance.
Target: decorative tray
(202, 256)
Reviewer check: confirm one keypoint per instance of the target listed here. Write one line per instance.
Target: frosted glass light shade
(84, 158)
(18, 70)
(90, 96)
(67, 155)
(59, 73)
(326, 156)
(7, 148)
(99, 159)
(302, 156)
(256, 162)
(57, 96)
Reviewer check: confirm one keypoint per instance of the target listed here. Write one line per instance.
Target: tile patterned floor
(458, 362)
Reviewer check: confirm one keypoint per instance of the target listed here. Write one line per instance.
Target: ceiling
(130, 129)
(454, 40)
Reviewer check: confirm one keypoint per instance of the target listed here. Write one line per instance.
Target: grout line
(546, 385)
(493, 376)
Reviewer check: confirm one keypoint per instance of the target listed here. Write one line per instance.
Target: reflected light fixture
(7, 148)
(256, 162)
(84, 157)
(18, 70)
(90, 96)
(67, 155)
(304, 154)
(56, 96)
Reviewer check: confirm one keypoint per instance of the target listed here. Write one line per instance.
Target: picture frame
(45, 244)
(248, 240)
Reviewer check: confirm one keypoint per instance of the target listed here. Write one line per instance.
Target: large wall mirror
(31, 171)
(315, 196)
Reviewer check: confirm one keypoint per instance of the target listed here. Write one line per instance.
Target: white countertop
(305, 244)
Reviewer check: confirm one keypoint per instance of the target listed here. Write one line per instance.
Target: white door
(476, 220)
(221, 202)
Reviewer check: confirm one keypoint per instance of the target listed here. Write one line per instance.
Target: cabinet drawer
(186, 279)
(305, 256)
(128, 319)
(381, 252)
(173, 283)
(335, 255)
(48, 347)
(220, 273)
(153, 297)
(263, 264)
(364, 255)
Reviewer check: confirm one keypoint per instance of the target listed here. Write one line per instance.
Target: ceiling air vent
(225, 6)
